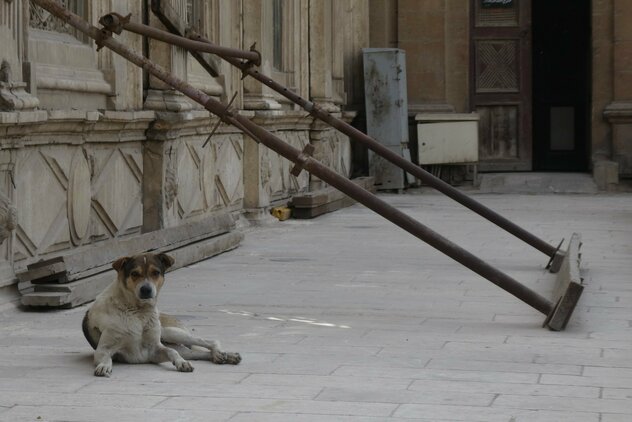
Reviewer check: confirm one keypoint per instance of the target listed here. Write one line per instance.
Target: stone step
(536, 183)
(313, 204)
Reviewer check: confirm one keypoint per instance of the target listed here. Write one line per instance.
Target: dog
(123, 324)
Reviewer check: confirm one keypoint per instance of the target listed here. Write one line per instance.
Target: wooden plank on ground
(85, 290)
(96, 258)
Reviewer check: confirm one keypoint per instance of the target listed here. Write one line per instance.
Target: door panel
(501, 83)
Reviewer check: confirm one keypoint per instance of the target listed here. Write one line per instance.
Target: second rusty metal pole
(357, 135)
(432, 181)
(114, 22)
(305, 162)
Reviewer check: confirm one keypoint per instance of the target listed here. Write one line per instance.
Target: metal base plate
(569, 287)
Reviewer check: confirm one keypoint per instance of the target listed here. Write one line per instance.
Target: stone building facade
(93, 151)
(551, 81)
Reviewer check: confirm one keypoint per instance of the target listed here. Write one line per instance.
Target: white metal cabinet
(447, 138)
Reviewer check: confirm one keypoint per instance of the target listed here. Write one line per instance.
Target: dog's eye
(135, 274)
(155, 273)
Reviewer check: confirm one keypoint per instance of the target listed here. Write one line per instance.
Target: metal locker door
(386, 111)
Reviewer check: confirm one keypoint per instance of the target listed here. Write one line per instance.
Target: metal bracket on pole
(301, 160)
(555, 262)
(533, 299)
(228, 112)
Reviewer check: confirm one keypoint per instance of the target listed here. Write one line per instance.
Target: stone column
(320, 54)
(160, 96)
(619, 112)
(257, 24)
(14, 95)
(125, 78)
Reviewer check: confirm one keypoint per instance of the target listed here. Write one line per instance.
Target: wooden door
(500, 82)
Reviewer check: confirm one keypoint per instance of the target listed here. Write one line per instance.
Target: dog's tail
(86, 331)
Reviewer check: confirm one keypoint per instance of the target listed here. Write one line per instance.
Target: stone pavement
(348, 318)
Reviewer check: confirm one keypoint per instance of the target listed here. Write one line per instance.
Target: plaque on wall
(496, 4)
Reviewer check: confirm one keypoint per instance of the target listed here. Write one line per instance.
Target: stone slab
(322, 201)
(537, 183)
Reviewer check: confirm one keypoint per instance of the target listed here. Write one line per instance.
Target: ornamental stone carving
(79, 198)
(8, 217)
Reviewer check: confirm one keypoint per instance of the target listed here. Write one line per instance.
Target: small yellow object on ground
(281, 213)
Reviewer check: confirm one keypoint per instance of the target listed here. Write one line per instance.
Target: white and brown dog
(124, 323)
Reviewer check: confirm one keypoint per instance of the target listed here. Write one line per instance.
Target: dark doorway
(561, 84)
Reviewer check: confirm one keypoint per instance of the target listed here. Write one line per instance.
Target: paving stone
(602, 405)
(108, 414)
(284, 417)
(505, 388)
(325, 408)
(472, 398)
(483, 376)
(617, 393)
(603, 381)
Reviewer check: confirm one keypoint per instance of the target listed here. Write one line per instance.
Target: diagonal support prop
(313, 166)
(555, 254)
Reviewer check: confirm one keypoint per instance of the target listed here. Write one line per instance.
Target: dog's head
(143, 275)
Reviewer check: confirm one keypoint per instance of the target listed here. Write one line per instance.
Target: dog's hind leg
(167, 354)
(177, 335)
(191, 353)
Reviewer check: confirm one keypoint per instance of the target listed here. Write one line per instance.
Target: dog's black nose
(145, 291)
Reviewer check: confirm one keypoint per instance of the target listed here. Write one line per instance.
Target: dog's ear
(166, 260)
(118, 264)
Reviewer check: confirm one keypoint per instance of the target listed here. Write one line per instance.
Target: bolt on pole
(303, 161)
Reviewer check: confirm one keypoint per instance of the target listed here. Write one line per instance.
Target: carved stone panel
(497, 66)
(229, 161)
(278, 182)
(116, 191)
(79, 197)
(42, 19)
(190, 199)
(41, 193)
(199, 180)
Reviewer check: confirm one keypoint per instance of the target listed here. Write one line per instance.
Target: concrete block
(605, 173)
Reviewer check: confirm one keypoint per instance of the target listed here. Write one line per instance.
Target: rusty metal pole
(303, 161)
(115, 23)
(246, 67)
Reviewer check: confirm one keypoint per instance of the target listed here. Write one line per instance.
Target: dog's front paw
(184, 366)
(226, 358)
(103, 370)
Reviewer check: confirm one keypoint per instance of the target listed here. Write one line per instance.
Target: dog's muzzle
(146, 291)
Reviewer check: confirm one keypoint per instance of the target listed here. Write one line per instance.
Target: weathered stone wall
(91, 149)
(619, 112)
(75, 178)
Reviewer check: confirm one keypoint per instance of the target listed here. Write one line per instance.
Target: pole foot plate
(568, 287)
